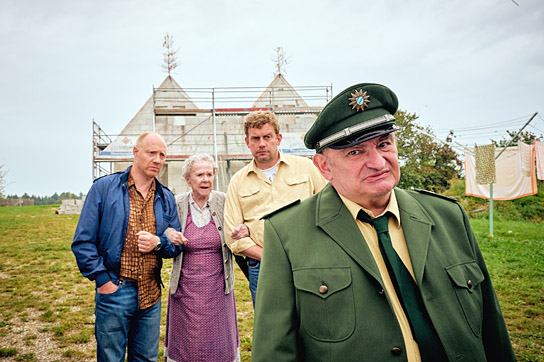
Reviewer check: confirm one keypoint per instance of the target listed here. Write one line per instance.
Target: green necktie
(408, 293)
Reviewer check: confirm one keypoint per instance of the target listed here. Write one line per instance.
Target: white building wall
(186, 135)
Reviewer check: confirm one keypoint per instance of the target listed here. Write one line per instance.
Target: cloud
(65, 63)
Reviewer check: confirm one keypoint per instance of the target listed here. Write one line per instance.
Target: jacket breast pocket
(466, 279)
(325, 302)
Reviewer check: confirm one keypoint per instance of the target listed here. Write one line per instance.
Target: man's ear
(322, 164)
(134, 151)
(279, 138)
(247, 141)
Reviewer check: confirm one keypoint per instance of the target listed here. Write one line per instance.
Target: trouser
(253, 270)
(121, 326)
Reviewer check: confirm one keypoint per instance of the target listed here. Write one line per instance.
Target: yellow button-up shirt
(399, 244)
(251, 195)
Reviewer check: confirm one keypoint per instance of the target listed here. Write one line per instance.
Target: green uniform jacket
(317, 243)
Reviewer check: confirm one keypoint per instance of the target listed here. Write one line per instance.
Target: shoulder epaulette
(281, 209)
(98, 178)
(427, 192)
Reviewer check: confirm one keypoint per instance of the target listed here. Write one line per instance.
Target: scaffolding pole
(215, 137)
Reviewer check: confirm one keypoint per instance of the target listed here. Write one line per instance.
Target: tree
(424, 162)
(3, 174)
(525, 137)
(170, 55)
(281, 61)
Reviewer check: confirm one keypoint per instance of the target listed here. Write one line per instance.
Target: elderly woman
(201, 322)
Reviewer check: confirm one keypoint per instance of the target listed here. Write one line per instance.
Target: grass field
(46, 306)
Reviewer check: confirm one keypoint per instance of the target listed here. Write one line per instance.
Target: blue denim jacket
(101, 230)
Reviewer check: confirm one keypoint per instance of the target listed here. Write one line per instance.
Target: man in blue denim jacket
(119, 243)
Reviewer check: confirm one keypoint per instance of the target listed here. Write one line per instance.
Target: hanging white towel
(511, 182)
(539, 154)
(526, 158)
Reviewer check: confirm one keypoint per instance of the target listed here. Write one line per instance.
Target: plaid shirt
(135, 265)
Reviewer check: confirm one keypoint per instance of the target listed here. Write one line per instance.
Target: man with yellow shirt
(271, 180)
(364, 271)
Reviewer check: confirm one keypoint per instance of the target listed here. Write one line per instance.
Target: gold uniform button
(323, 289)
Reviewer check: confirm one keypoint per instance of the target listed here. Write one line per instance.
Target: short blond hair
(259, 119)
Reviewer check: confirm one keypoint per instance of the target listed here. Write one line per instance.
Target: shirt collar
(207, 204)
(131, 183)
(392, 207)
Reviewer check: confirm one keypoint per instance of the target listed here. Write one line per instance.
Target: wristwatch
(158, 247)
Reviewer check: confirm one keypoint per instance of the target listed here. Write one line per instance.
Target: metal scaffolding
(216, 107)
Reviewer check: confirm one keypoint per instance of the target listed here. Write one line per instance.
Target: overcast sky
(456, 64)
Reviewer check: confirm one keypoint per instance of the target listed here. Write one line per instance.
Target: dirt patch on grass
(35, 340)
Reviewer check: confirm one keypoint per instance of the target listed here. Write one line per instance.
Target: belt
(127, 279)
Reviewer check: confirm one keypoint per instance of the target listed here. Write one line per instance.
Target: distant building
(16, 202)
(71, 206)
(216, 127)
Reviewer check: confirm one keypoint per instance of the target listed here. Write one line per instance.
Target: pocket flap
(322, 282)
(248, 191)
(296, 180)
(466, 275)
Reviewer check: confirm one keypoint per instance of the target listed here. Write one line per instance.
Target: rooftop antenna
(170, 55)
(281, 61)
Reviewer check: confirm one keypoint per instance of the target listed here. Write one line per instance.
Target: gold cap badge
(359, 100)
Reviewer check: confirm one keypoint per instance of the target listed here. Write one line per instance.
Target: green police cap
(357, 114)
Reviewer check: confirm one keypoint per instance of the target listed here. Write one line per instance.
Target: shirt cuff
(238, 246)
(102, 279)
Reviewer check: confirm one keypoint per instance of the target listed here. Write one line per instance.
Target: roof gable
(279, 95)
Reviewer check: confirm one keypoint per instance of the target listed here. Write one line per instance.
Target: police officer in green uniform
(365, 271)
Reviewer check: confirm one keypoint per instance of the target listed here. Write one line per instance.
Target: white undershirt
(271, 172)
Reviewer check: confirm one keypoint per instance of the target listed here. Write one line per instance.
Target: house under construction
(210, 121)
